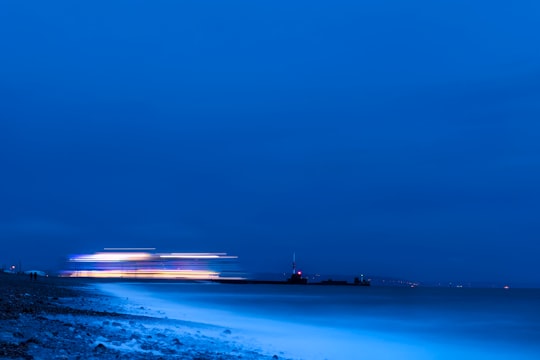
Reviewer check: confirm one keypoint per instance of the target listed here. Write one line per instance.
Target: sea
(348, 322)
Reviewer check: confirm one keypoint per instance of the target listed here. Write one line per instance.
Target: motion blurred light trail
(148, 274)
(134, 263)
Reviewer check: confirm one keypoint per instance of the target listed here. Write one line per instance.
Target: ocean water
(334, 322)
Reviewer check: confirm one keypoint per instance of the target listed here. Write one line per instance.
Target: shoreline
(59, 318)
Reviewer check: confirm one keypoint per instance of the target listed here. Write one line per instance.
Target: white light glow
(114, 256)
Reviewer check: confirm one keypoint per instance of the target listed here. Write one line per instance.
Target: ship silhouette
(297, 278)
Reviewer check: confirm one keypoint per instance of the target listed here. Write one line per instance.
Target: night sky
(395, 138)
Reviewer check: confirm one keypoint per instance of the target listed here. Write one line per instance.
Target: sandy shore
(56, 318)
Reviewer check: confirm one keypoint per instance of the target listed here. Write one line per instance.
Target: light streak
(148, 274)
(197, 256)
(133, 263)
(114, 257)
(129, 249)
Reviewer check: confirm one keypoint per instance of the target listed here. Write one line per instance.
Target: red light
(299, 273)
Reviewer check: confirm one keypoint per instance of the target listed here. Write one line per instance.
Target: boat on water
(297, 278)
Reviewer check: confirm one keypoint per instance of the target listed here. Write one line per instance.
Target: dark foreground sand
(57, 318)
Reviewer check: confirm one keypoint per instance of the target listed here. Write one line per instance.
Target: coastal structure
(296, 276)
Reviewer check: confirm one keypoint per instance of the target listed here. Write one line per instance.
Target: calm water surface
(430, 323)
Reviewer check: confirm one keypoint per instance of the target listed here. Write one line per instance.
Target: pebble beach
(63, 318)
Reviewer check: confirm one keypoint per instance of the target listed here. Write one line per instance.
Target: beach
(348, 322)
(60, 318)
(67, 318)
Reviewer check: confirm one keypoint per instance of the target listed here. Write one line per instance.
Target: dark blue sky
(385, 137)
